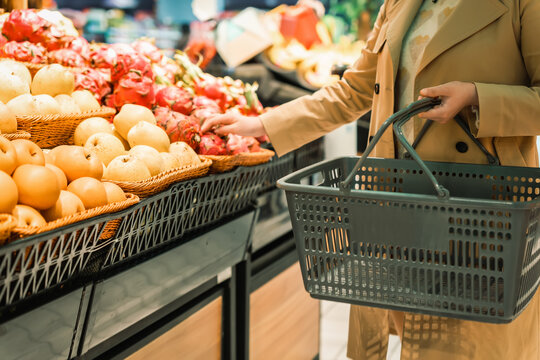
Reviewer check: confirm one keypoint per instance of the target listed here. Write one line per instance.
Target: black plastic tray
(309, 154)
(41, 265)
(184, 208)
(278, 167)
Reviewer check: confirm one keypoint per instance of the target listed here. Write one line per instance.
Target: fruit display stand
(309, 154)
(133, 307)
(163, 180)
(276, 317)
(183, 209)
(277, 168)
(46, 331)
(43, 266)
(178, 255)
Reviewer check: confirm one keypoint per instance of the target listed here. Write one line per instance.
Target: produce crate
(43, 263)
(309, 154)
(185, 207)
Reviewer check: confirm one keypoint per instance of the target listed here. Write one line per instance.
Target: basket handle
(398, 119)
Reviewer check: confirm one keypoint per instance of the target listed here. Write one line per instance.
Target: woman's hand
(234, 123)
(454, 95)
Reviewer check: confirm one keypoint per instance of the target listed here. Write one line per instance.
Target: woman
(482, 58)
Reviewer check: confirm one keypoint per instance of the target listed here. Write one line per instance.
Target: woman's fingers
(216, 121)
(454, 97)
(439, 114)
(437, 91)
(226, 130)
(224, 124)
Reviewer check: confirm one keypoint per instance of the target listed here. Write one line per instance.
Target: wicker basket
(19, 232)
(7, 224)
(19, 134)
(53, 130)
(32, 67)
(162, 181)
(223, 163)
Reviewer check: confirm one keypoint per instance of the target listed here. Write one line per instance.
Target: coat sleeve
(511, 110)
(307, 118)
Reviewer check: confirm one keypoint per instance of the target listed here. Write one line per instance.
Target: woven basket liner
(53, 130)
(162, 181)
(223, 163)
(19, 134)
(32, 67)
(20, 232)
(7, 223)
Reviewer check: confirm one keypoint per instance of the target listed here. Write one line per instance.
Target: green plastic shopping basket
(446, 239)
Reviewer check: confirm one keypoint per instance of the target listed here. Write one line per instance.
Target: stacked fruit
(181, 95)
(40, 186)
(133, 148)
(184, 108)
(50, 91)
(28, 34)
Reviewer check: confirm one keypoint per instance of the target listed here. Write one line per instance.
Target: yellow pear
(8, 122)
(86, 100)
(126, 168)
(186, 155)
(105, 146)
(90, 127)
(129, 115)
(149, 156)
(147, 134)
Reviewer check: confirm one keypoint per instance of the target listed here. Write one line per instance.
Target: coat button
(462, 147)
(377, 88)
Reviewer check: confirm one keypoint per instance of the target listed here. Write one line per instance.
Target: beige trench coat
(496, 45)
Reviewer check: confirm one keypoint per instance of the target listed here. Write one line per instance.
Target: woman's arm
(515, 110)
(504, 110)
(302, 120)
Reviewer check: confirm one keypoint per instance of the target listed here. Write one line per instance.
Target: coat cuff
(280, 140)
(490, 111)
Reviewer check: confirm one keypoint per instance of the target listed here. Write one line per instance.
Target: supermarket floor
(334, 328)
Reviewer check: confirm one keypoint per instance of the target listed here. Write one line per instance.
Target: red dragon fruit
(236, 145)
(134, 88)
(27, 25)
(24, 25)
(206, 103)
(147, 48)
(179, 127)
(252, 143)
(81, 46)
(123, 48)
(162, 76)
(108, 100)
(212, 144)
(55, 40)
(175, 98)
(93, 81)
(172, 68)
(128, 61)
(103, 56)
(66, 57)
(211, 88)
(201, 114)
(24, 51)
(263, 139)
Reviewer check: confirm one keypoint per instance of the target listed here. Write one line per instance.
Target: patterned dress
(427, 22)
